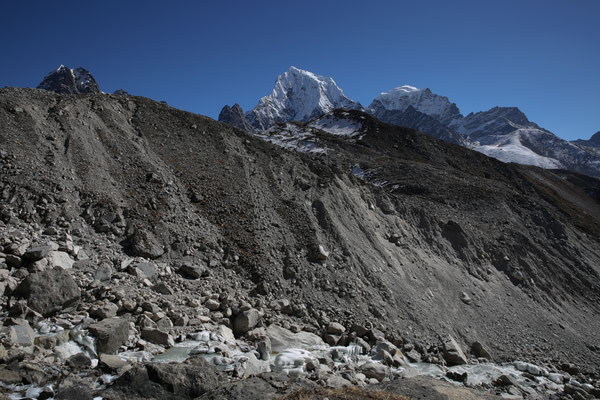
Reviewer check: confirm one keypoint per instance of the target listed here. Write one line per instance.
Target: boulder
(189, 379)
(145, 244)
(191, 271)
(479, 351)
(36, 253)
(282, 339)
(143, 270)
(60, 259)
(335, 328)
(374, 370)
(157, 336)
(453, 354)
(49, 291)
(21, 335)
(110, 334)
(245, 321)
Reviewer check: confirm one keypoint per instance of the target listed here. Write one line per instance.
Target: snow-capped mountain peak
(67, 80)
(422, 100)
(299, 95)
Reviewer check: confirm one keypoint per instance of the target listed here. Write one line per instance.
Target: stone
(107, 310)
(282, 339)
(110, 334)
(49, 291)
(335, 328)
(145, 244)
(37, 253)
(162, 288)
(226, 333)
(60, 259)
(465, 298)
(79, 360)
(191, 271)
(103, 273)
(142, 270)
(413, 356)
(480, 351)
(264, 348)
(453, 354)
(111, 362)
(157, 336)
(245, 321)
(374, 370)
(21, 335)
(457, 376)
(189, 379)
(212, 304)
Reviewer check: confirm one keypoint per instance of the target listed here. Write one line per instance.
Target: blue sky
(542, 56)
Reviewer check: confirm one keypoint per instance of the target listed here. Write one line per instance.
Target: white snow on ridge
(510, 149)
(292, 137)
(337, 126)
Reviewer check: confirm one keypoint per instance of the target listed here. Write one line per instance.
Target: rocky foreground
(146, 252)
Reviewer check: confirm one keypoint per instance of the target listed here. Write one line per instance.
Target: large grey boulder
(282, 339)
(453, 354)
(190, 379)
(145, 244)
(245, 321)
(49, 291)
(110, 334)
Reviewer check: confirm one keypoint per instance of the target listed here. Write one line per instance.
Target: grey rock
(453, 354)
(157, 336)
(110, 334)
(60, 259)
(374, 370)
(479, 350)
(191, 271)
(235, 116)
(212, 304)
(37, 253)
(162, 288)
(264, 348)
(107, 310)
(49, 291)
(103, 273)
(21, 335)
(190, 379)
(143, 270)
(245, 321)
(145, 244)
(282, 339)
(335, 328)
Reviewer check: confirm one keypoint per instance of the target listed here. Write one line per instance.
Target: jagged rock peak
(299, 95)
(235, 116)
(67, 80)
(422, 100)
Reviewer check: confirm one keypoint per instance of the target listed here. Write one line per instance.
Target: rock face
(71, 81)
(299, 95)
(49, 291)
(235, 116)
(110, 334)
(145, 244)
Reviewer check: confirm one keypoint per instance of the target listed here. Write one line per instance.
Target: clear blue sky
(542, 56)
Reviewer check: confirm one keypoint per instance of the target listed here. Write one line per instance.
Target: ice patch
(337, 126)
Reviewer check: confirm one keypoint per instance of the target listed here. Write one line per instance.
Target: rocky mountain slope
(387, 238)
(504, 133)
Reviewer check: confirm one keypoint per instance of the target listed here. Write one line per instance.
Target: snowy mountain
(299, 95)
(422, 100)
(67, 80)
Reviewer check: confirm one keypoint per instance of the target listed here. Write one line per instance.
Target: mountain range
(504, 133)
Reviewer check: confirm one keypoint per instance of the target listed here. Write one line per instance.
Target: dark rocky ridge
(73, 81)
(432, 220)
(235, 116)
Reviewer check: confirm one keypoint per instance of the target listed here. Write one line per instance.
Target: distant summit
(72, 81)
(235, 116)
(299, 95)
